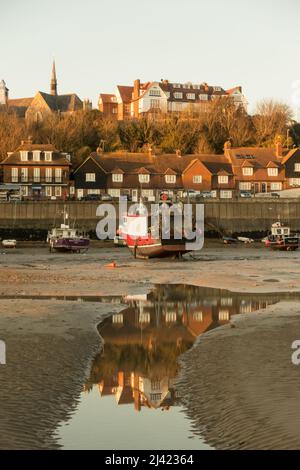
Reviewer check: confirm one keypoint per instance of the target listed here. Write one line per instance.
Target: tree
(272, 118)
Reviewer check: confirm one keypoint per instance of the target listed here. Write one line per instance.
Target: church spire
(53, 84)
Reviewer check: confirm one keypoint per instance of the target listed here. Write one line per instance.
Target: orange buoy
(111, 265)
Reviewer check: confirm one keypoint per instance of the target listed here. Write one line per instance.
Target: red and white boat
(144, 243)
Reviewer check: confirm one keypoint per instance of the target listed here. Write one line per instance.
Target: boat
(144, 243)
(65, 238)
(9, 243)
(281, 238)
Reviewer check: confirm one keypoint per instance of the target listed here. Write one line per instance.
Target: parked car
(91, 197)
(275, 195)
(191, 193)
(106, 197)
(206, 194)
(245, 194)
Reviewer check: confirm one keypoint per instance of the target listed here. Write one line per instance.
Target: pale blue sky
(98, 44)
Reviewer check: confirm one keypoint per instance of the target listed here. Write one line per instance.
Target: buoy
(111, 265)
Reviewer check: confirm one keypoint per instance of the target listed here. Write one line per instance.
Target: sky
(98, 44)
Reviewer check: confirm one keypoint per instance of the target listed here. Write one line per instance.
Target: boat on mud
(9, 243)
(65, 238)
(281, 238)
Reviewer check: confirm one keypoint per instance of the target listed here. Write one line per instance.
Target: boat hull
(157, 248)
(69, 244)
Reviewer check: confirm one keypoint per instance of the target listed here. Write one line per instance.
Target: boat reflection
(139, 360)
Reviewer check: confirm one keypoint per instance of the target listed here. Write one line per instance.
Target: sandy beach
(51, 343)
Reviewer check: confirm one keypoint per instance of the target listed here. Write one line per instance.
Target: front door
(134, 195)
(79, 193)
(256, 188)
(263, 187)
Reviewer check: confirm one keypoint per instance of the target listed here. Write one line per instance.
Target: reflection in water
(138, 363)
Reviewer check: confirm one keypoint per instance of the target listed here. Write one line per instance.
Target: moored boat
(64, 238)
(9, 243)
(281, 238)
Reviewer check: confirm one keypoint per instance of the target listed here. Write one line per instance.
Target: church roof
(63, 103)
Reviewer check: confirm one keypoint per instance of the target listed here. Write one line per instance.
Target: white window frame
(90, 177)
(14, 175)
(223, 179)
(245, 186)
(24, 190)
(57, 191)
(36, 155)
(272, 171)
(24, 175)
(58, 175)
(297, 167)
(117, 177)
(248, 171)
(178, 95)
(36, 175)
(72, 190)
(154, 92)
(48, 175)
(226, 194)
(294, 181)
(48, 156)
(276, 186)
(24, 155)
(48, 191)
(203, 97)
(144, 178)
(197, 179)
(190, 96)
(113, 192)
(170, 179)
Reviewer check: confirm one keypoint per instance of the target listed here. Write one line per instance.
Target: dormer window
(297, 167)
(190, 96)
(272, 171)
(24, 155)
(117, 177)
(144, 178)
(197, 179)
(178, 95)
(248, 171)
(223, 179)
(48, 156)
(170, 179)
(36, 155)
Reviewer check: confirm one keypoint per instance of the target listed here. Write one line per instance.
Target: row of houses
(43, 172)
(144, 99)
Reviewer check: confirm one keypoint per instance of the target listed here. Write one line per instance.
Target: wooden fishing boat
(281, 238)
(9, 243)
(64, 238)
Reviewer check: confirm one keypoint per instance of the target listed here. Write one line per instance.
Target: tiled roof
(63, 103)
(125, 93)
(108, 98)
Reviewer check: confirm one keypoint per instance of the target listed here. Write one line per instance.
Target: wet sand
(51, 343)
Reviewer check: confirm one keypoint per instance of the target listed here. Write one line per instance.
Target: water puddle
(130, 399)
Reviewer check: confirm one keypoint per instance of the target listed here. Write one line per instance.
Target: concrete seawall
(242, 216)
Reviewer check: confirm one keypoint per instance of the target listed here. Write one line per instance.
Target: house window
(190, 96)
(203, 97)
(276, 186)
(170, 179)
(198, 316)
(171, 317)
(155, 384)
(58, 173)
(117, 318)
(178, 95)
(114, 192)
(154, 92)
(294, 181)
(93, 191)
(225, 194)
(176, 85)
(49, 191)
(197, 179)
(245, 186)
(297, 167)
(24, 155)
(48, 175)
(144, 178)
(115, 110)
(248, 171)
(117, 178)
(217, 88)
(90, 177)
(144, 318)
(154, 104)
(147, 193)
(24, 190)
(223, 179)
(72, 190)
(36, 175)
(224, 315)
(24, 175)
(272, 171)
(155, 396)
(36, 155)
(48, 156)
(14, 175)
(57, 191)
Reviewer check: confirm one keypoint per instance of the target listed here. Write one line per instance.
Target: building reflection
(139, 361)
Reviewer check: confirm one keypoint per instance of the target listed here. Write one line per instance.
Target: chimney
(136, 95)
(278, 149)
(178, 153)
(29, 140)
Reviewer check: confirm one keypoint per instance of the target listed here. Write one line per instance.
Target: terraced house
(39, 170)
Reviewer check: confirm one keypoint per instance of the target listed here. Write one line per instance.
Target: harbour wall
(249, 216)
